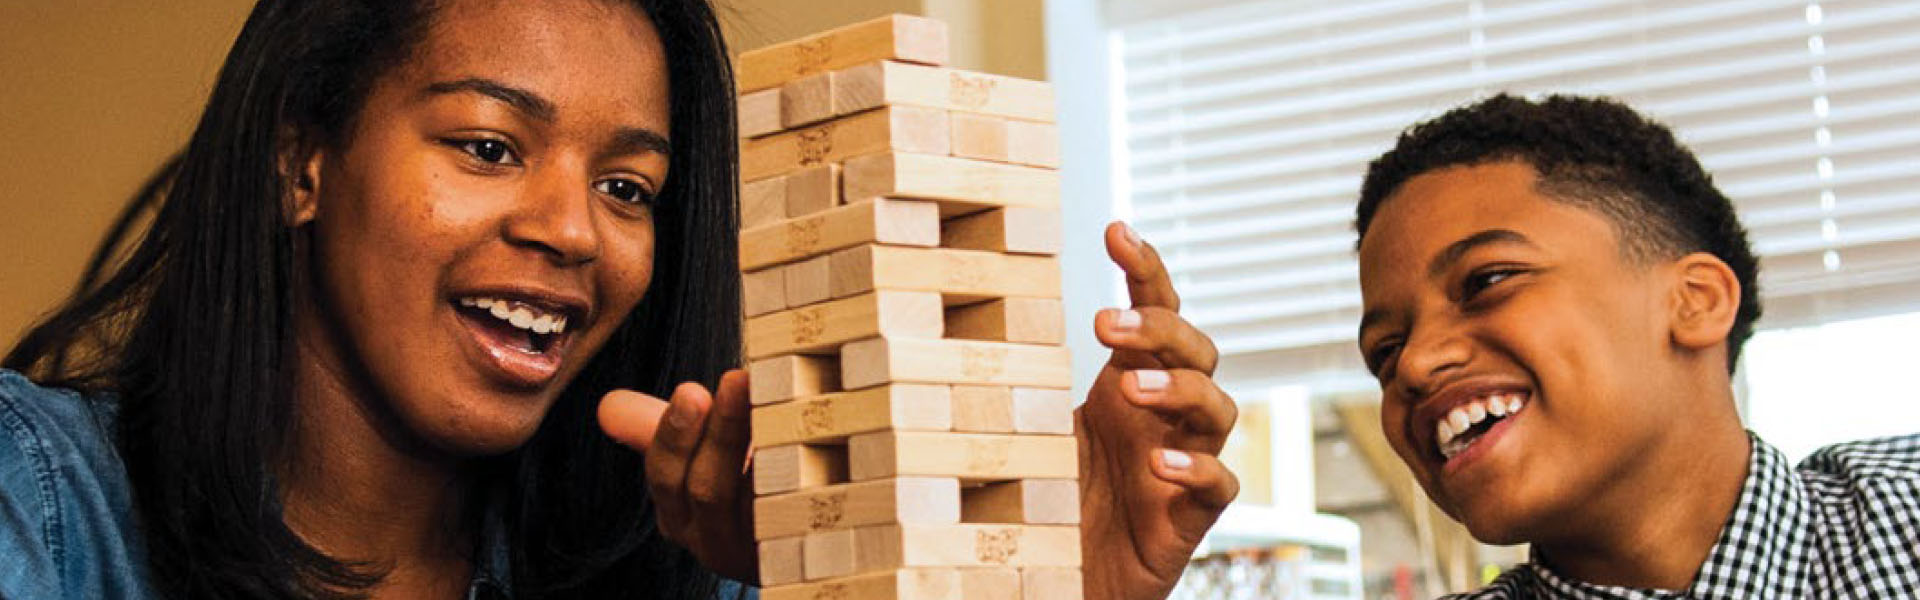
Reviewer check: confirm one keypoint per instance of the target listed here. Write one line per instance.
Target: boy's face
(1481, 294)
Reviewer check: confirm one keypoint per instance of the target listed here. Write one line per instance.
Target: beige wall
(96, 94)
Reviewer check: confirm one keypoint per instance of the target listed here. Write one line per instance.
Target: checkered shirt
(1845, 524)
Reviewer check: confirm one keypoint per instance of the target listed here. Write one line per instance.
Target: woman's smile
(521, 335)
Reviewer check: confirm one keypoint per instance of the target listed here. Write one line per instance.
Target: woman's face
(488, 224)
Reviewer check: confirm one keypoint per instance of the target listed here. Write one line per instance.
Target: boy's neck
(1655, 527)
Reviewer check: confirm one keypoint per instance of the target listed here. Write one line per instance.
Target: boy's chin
(1498, 521)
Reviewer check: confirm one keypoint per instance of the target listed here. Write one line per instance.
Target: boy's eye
(1378, 358)
(1480, 281)
(625, 190)
(488, 151)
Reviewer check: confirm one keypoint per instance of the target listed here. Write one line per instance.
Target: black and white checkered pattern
(1845, 524)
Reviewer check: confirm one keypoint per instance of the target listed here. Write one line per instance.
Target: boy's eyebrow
(523, 100)
(1454, 251)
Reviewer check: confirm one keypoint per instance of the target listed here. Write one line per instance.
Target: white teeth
(467, 301)
(543, 325)
(1476, 412)
(1496, 407)
(483, 302)
(521, 318)
(524, 317)
(1445, 434)
(500, 311)
(559, 324)
(1513, 405)
(1450, 432)
(1458, 419)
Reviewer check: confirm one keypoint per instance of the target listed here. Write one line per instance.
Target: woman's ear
(1706, 301)
(300, 164)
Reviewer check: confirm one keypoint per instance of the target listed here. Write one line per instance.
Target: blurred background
(1232, 134)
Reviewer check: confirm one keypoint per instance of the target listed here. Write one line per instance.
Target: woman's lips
(513, 355)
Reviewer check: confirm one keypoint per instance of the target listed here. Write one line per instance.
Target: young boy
(1555, 297)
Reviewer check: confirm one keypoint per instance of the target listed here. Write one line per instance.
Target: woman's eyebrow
(629, 141)
(525, 101)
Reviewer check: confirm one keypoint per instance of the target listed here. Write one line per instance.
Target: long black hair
(190, 325)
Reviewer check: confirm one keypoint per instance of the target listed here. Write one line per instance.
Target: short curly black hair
(1596, 153)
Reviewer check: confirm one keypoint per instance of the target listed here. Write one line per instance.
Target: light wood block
(813, 189)
(1051, 583)
(990, 582)
(972, 457)
(763, 201)
(896, 37)
(983, 408)
(808, 281)
(828, 554)
(1041, 410)
(979, 137)
(787, 468)
(880, 360)
(760, 113)
(1032, 501)
(1018, 229)
(830, 418)
(931, 500)
(780, 562)
(878, 84)
(963, 275)
(894, 128)
(894, 222)
(962, 185)
(806, 100)
(763, 291)
(903, 584)
(1028, 320)
(883, 547)
(821, 327)
(1032, 143)
(783, 378)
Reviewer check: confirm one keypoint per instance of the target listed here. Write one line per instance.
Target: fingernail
(1133, 237)
(1126, 320)
(1176, 460)
(679, 416)
(1150, 380)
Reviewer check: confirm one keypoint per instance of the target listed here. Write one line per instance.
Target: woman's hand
(1150, 482)
(696, 450)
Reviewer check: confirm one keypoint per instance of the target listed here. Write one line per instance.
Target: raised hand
(1151, 482)
(695, 448)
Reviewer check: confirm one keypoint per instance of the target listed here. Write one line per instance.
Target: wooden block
(819, 328)
(1029, 320)
(764, 291)
(830, 418)
(844, 506)
(783, 378)
(763, 201)
(1033, 143)
(828, 554)
(813, 189)
(886, 83)
(990, 582)
(787, 468)
(983, 408)
(808, 281)
(1041, 410)
(980, 137)
(1019, 229)
(806, 100)
(760, 113)
(780, 562)
(912, 360)
(1032, 501)
(903, 584)
(890, 129)
(1051, 583)
(972, 457)
(896, 37)
(883, 547)
(962, 275)
(962, 185)
(896, 222)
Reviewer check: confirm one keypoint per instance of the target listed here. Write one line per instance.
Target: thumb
(631, 418)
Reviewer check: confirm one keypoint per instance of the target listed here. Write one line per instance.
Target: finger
(714, 480)
(1188, 398)
(672, 450)
(1207, 482)
(1159, 332)
(631, 418)
(1147, 282)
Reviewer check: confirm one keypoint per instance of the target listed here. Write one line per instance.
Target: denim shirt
(66, 510)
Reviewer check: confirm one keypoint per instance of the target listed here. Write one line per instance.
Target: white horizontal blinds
(1248, 129)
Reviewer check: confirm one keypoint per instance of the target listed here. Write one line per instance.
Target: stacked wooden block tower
(912, 428)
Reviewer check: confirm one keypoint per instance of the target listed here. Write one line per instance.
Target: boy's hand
(695, 448)
(1151, 484)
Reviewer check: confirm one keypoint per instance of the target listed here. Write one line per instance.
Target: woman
(408, 254)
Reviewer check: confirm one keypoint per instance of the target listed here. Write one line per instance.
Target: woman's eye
(624, 190)
(488, 151)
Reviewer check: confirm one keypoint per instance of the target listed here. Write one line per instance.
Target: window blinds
(1246, 130)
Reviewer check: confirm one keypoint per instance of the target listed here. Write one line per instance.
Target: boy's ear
(1706, 301)
(300, 164)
